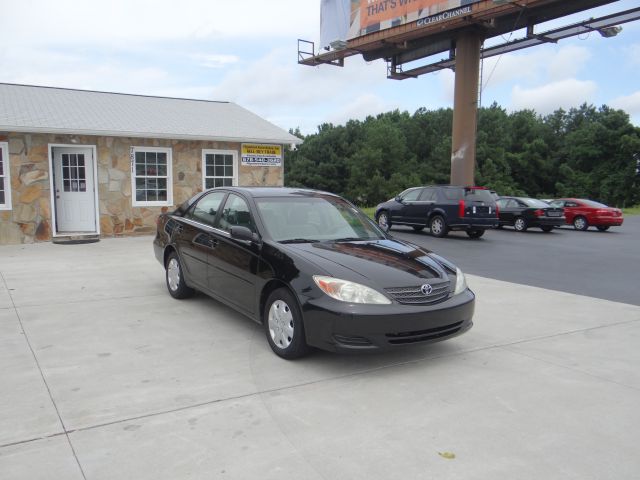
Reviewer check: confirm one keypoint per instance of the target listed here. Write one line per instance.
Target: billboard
(369, 16)
(261, 155)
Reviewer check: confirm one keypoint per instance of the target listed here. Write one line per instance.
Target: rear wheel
(438, 227)
(475, 233)
(546, 229)
(520, 224)
(283, 325)
(175, 279)
(580, 223)
(383, 221)
(603, 228)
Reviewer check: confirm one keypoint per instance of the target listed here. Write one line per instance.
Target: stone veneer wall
(30, 218)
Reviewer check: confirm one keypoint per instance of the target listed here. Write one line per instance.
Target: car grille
(414, 295)
(404, 338)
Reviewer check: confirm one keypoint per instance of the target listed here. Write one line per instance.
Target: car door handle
(213, 242)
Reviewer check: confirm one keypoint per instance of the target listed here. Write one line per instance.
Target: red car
(583, 214)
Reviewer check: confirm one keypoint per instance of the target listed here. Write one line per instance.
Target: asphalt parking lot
(105, 376)
(592, 263)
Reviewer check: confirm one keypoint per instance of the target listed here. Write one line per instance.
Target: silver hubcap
(579, 223)
(382, 221)
(436, 226)
(173, 274)
(280, 324)
(519, 224)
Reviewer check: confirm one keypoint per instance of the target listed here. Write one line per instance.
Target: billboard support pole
(465, 109)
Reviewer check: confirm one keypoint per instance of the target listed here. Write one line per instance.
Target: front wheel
(603, 228)
(546, 229)
(438, 227)
(284, 326)
(175, 278)
(475, 233)
(580, 223)
(520, 224)
(383, 221)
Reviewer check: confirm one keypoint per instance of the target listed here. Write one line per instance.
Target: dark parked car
(582, 214)
(441, 208)
(522, 213)
(313, 269)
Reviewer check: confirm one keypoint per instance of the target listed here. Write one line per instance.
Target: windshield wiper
(299, 240)
(351, 239)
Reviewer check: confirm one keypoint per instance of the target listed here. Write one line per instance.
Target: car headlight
(461, 282)
(350, 292)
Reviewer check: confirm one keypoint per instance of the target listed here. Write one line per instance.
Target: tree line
(586, 152)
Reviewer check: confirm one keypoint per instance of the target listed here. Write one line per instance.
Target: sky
(246, 52)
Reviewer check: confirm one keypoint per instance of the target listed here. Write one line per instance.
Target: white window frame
(145, 203)
(6, 176)
(233, 153)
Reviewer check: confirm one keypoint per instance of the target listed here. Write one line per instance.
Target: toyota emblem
(426, 289)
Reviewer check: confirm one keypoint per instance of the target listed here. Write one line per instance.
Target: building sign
(262, 155)
(368, 16)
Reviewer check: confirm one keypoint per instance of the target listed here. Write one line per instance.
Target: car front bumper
(337, 326)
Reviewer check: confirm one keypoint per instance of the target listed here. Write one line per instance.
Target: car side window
(570, 204)
(235, 213)
(412, 195)
(206, 209)
(428, 195)
(521, 204)
(502, 203)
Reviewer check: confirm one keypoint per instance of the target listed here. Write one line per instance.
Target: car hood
(383, 263)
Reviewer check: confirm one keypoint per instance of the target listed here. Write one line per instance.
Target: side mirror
(244, 234)
(398, 199)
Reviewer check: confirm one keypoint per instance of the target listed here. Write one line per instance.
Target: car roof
(258, 192)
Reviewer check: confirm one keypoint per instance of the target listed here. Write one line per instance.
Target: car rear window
(534, 202)
(591, 203)
(478, 195)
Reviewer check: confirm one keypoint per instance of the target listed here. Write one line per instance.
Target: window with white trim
(219, 168)
(5, 180)
(151, 177)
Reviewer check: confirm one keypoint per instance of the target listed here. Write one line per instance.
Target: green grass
(632, 210)
(369, 211)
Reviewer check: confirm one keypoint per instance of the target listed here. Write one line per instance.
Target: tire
(418, 229)
(475, 233)
(383, 221)
(175, 278)
(580, 223)
(438, 226)
(284, 326)
(603, 228)
(520, 224)
(546, 229)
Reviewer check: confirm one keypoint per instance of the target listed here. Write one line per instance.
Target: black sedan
(313, 269)
(522, 213)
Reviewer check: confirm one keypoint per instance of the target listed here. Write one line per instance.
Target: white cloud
(359, 108)
(548, 98)
(214, 60)
(276, 83)
(567, 62)
(82, 22)
(628, 103)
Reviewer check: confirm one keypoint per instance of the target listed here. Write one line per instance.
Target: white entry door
(74, 195)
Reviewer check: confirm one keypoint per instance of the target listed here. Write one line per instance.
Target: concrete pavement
(103, 375)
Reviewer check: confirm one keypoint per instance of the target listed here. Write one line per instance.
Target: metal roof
(27, 108)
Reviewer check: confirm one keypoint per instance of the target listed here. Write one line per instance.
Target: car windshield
(591, 203)
(534, 202)
(315, 218)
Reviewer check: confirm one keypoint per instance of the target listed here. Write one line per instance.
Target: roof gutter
(291, 139)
